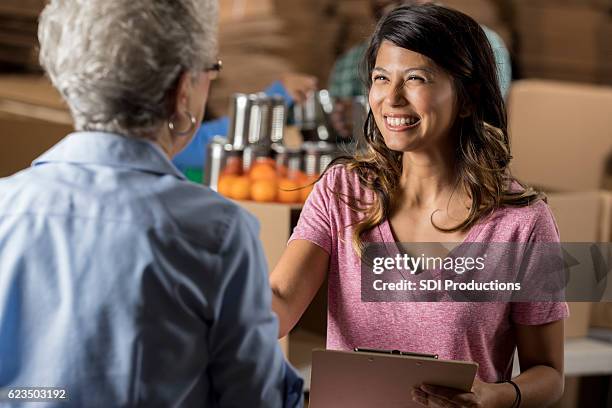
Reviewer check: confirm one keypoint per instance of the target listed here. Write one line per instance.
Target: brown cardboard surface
(601, 315)
(598, 4)
(606, 217)
(575, 24)
(275, 226)
(577, 324)
(31, 89)
(561, 69)
(237, 10)
(33, 118)
(560, 133)
(23, 139)
(565, 40)
(29, 8)
(484, 11)
(583, 217)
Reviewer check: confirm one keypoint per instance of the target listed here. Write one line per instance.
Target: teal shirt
(346, 82)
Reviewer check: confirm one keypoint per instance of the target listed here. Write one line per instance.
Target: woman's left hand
(483, 395)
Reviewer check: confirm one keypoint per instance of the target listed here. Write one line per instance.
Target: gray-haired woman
(121, 283)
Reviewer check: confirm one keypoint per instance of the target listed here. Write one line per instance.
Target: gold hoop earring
(172, 126)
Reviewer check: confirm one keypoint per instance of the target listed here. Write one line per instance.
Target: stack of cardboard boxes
(488, 13)
(33, 117)
(565, 39)
(560, 136)
(313, 28)
(357, 22)
(262, 39)
(18, 38)
(252, 41)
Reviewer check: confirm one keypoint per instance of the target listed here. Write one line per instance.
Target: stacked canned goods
(253, 163)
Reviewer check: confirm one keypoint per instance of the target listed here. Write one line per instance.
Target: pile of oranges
(264, 182)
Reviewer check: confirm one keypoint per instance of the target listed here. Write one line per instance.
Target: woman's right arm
(295, 280)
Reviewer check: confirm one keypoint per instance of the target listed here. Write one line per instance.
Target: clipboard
(367, 379)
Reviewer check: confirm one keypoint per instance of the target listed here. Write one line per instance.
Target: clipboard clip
(395, 352)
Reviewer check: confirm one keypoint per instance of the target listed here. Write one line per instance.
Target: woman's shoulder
(340, 178)
(203, 215)
(531, 222)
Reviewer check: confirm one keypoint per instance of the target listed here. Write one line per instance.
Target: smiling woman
(434, 167)
(414, 107)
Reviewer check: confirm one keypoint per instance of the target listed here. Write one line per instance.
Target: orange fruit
(266, 160)
(281, 170)
(233, 166)
(299, 176)
(262, 171)
(287, 192)
(306, 184)
(240, 189)
(264, 190)
(225, 184)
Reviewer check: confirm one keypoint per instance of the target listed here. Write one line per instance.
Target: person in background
(435, 169)
(292, 87)
(346, 83)
(122, 284)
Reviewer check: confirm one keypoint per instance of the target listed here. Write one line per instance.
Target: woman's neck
(428, 178)
(164, 139)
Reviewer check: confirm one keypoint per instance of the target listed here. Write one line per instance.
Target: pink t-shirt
(478, 331)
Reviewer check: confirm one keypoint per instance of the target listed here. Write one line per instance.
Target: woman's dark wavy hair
(457, 44)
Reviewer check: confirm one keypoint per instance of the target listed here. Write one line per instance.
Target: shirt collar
(110, 149)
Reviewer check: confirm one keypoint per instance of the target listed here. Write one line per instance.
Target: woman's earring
(174, 131)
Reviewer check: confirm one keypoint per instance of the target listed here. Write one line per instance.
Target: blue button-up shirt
(126, 285)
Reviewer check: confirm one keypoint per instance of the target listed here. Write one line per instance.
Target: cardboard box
(276, 223)
(582, 217)
(597, 4)
(577, 324)
(27, 8)
(573, 25)
(484, 11)
(561, 69)
(32, 91)
(564, 40)
(234, 11)
(560, 133)
(24, 139)
(33, 118)
(18, 33)
(601, 315)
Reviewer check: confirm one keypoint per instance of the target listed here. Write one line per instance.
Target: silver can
(215, 161)
(239, 116)
(313, 117)
(317, 156)
(260, 124)
(279, 118)
(287, 158)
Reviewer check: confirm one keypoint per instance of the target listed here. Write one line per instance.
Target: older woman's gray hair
(117, 62)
